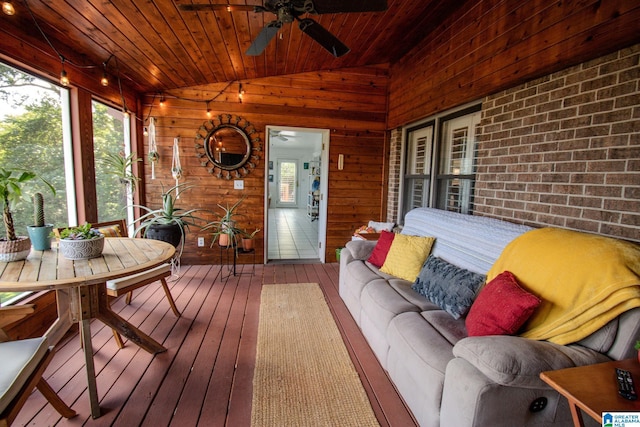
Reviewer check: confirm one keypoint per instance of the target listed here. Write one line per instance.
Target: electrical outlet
(200, 241)
(238, 184)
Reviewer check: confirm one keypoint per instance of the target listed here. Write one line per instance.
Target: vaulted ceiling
(157, 46)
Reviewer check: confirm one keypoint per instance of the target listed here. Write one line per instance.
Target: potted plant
(13, 247)
(39, 232)
(224, 228)
(81, 242)
(120, 166)
(167, 223)
(637, 347)
(247, 240)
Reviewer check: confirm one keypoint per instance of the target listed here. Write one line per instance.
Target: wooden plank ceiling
(157, 47)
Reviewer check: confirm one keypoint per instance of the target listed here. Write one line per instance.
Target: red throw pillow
(501, 307)
(381, 250)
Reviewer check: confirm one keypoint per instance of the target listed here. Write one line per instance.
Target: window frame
(435, 177)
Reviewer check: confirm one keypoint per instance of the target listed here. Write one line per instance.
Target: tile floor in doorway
(292, 234)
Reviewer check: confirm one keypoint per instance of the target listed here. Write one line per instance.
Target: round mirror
(227, 146)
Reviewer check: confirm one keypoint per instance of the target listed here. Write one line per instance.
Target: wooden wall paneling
(552, 38)
(357, 132)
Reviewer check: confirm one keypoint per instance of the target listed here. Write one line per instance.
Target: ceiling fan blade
(263, 39)
(323, 37)
(340, 6)
(208, 6)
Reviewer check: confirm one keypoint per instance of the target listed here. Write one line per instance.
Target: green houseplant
(40, 231)
(225, 232)
(637, 347)
(13, 247)
(81, 242)
(167, 223)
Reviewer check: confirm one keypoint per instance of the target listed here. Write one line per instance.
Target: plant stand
(230, 261)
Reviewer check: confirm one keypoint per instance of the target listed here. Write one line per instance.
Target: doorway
(295, 189)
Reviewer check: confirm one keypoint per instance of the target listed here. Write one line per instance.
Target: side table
(593, 388)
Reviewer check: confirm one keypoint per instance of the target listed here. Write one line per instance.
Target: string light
(7, 8)
(162, 100)
(240, 92)
(104, 81)
(208, 110)
(64, 78)
(145, 131)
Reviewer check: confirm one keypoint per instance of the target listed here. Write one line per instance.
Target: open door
(295, 194)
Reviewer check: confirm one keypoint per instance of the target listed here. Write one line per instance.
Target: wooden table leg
(576, 414)
(111, 319)
(85, 330)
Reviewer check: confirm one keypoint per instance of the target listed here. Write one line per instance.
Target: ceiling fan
(287, 11)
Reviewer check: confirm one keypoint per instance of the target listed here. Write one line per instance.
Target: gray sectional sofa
(446, 377)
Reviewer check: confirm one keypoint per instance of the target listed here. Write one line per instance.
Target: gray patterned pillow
(450, 287)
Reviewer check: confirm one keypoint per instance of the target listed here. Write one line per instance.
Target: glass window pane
(456, 195)
(111, 144)
(287, 181)
(419, 151)
(416, 193)
(33, 114)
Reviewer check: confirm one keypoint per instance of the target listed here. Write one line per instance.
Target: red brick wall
(395, 163)
(564, 150)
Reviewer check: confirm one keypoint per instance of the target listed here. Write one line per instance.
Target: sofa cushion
(406, 256)
(516, 361)
(501, 307)
(450, 287)
(379, 254)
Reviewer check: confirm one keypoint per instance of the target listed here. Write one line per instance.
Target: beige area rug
(303, 374)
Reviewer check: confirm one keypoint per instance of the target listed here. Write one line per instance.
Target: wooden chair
(126, 285)
(23, 363)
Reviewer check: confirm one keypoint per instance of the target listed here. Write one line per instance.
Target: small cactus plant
(38, 210)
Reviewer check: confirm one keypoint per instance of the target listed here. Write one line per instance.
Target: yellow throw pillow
(111, 231)
(406, 256)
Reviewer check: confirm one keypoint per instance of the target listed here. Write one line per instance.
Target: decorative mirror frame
(248, 133)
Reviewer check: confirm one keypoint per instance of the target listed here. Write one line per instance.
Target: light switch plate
(238, 184)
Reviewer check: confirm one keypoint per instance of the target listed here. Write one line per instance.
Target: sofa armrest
(360, 249)
(516, 361)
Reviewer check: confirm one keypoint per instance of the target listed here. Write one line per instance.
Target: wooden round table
(81, 290)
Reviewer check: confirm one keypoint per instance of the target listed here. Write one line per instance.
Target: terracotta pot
(247, 245)
(223, 240)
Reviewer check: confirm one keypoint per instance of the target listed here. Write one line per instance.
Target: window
(35, 135)
(111, 141)
(287, 180)
(446, 144)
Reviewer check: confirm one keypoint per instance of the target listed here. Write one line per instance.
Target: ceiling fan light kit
(287, 11)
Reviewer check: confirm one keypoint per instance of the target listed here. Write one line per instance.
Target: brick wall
(564, 150)
(395, 161)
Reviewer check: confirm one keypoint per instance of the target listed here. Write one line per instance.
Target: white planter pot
(82, 249)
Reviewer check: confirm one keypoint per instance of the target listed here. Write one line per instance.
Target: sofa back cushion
(468, 241)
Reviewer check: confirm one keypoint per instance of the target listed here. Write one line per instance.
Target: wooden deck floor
(205, 377)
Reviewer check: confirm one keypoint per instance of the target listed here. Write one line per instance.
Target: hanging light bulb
(64, 78)
(228, 8)
(208, 110)
(104, 81)
(7, 8)
(240, 93)
(162, 100)
(145, 131)
(125, 113)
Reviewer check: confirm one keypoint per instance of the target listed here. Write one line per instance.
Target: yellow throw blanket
(584, 280)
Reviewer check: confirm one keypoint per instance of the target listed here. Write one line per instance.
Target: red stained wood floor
(205, 376)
